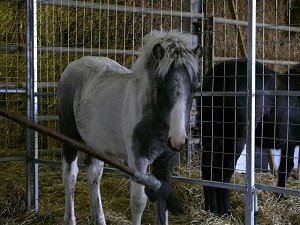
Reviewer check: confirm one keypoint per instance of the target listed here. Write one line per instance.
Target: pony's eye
(159, 90)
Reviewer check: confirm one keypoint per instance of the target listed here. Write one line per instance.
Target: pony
(139, 115)
(224, 123)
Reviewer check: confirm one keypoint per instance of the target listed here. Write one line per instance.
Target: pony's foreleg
(94, 174)
(285, 167)
(138, 198)
(163, 169)
(70, 172)
(157, 220)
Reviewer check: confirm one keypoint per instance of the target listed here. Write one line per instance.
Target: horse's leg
(162, 169)
(207, 174)
(224, 172)
(286, 166)
(70, 171)
(94, 174)
(138, 198)
(70, 167)
(210, 199)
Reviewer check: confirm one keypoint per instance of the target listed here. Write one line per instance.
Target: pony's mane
(178, 51)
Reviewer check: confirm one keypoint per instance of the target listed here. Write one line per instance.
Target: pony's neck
(146, 91)
(146, 88)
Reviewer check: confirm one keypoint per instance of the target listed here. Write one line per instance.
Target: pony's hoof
(279, 197)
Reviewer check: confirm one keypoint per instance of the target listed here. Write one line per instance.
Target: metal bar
(16, 1)
(31, 78)
(46, 94)
(265, 61)
(23, 85)
(96, 52)
(47, 118)
(258, 25)
(280, 190)
(35, 109)
(243, 93)
(250, 199)
(10, 48)
(15, 88)
(220, 93)
(278, 93)
(186, 22)
(89, 51)
(121, 8)
(195, 8)
(30, 101)
(12, 158)
(147, 180)
(211, 183)
(13, 91)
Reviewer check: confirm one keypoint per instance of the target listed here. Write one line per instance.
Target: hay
(271, 44)
(115, 196)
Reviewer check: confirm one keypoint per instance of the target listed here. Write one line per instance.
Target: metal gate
(48, 34)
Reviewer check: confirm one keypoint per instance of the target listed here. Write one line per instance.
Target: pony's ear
(158, 52)
(198, 51)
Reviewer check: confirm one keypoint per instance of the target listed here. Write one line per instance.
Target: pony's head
(172, 66)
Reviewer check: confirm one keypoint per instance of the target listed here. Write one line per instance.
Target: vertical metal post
(190, 25)
(31, 136)
(250, 148)
(196, 7)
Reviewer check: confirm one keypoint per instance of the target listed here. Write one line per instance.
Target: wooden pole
(145, 179)
(241, 42)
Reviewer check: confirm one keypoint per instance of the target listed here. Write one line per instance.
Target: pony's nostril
(169, 142)
(186, 141)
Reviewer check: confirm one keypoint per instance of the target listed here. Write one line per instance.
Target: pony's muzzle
(178, 145)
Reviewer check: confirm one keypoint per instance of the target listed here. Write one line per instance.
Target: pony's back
(78, 71)
(77, 79)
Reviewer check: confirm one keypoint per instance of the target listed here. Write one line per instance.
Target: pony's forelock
(178, 51)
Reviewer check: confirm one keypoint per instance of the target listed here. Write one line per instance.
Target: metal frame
(195, 24)
(32, 136)
(250, 200)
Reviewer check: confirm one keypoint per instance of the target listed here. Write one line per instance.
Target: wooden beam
(139, 177)
(241, 38)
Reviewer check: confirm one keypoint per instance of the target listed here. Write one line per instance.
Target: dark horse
(140, 116)
(224, 123)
